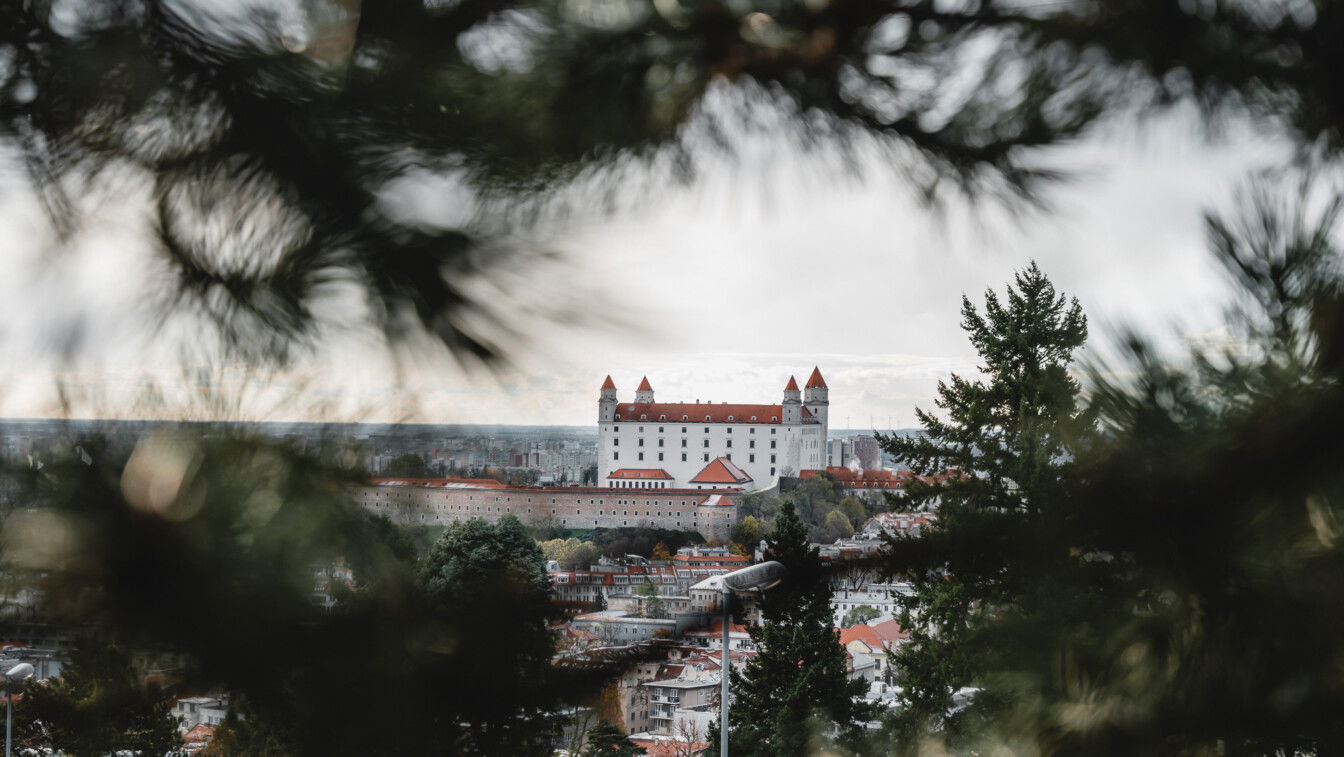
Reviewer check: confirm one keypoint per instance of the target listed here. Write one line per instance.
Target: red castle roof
(703, 412)
(815, 381)
(644, 385)
(608, 384)
(792, 386)
(721, 470)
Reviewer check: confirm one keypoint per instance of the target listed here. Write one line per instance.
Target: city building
(702, 445)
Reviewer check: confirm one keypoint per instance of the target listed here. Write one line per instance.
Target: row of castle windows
(708, 419)
(661, 429)
(751, 443)
(751, 458)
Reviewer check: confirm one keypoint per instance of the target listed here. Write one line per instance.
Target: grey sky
(717, 289)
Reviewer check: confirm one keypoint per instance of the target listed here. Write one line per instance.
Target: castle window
(683, 457)
(730, 443)
(662, 418)
(753, 418)
(683, 442)
(641, 456)
(752, 444)
(750, 459)
(660, 457)
(617, 443)
(772, 458)
(685, 418)
(707, 444)
(641, 441)
(772, 446)
(773, 419)
(772, 472)
(618, 428)
(617, 456)
(645, 418)
(706, 427)
(730, 418)
(660, 442)
(706, 460)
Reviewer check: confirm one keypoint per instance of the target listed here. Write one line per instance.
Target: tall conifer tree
(992, 464)
(797, 690)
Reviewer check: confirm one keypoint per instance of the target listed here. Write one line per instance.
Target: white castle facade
(693, 445)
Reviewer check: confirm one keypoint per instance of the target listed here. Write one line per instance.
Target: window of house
(730, 442)
(772, 472)
(772, 444)
(706, 459)
(641, 456)
(660, 457)
(683, 442)
(683, 457)
(752, 444)
(772, 458)
(615, 456)
(660, 442)
(706, 442)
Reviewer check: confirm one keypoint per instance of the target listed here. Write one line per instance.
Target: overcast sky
(716, 289)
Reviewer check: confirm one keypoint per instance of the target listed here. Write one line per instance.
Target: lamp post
(15, 679)
(757, 578)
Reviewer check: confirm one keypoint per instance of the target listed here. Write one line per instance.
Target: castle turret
(815, 397)
(645, 391)
(793, 402)
(606, 403)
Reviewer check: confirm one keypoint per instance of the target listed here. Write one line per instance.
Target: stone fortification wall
(565, 507)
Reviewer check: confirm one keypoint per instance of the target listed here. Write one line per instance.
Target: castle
(693, 445)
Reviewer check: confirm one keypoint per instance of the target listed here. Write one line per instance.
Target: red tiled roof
(890, 631)
(670, 747)
(863, 479)
(815, 380)
(792, 386)
(608, 384)
(716, 629)
(448, 483)
(721, 470)
(861, 632)
(641, 473)
(644, 385)
(201, 733)
(699, 412)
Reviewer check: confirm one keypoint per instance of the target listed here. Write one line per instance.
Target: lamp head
(17, 677)
(762, 577)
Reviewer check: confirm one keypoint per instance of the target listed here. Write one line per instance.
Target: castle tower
(815, 399)
(606, 403)
(645, 391)
(793, 403)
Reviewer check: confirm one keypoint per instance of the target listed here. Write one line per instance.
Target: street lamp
(757, 578)
(15, 679)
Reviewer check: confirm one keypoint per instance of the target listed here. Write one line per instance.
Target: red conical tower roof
(644, 385)
(608, 384)
(792, 386)
(815, 381)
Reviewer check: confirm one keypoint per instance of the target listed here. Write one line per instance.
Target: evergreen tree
(995, 466)
(654, 606)
(606, 740)
(796, 692)
(488, 581)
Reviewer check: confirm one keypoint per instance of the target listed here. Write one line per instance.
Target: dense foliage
(100, 705)
(795, 695)
(1006, 437)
